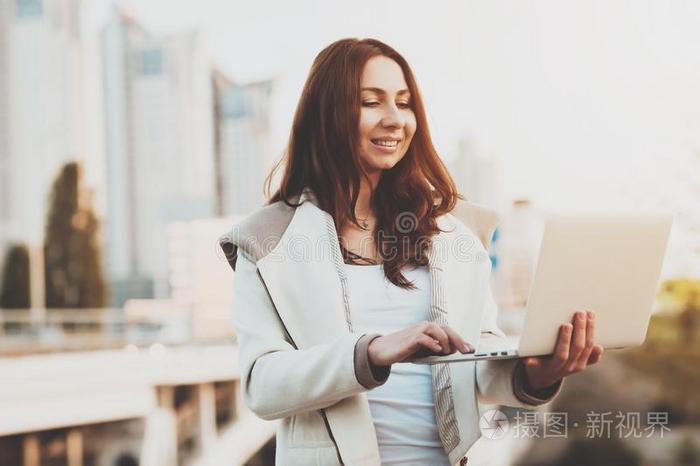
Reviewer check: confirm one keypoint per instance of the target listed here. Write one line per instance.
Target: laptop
(608, 263)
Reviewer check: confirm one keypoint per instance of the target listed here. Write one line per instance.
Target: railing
(50, 330)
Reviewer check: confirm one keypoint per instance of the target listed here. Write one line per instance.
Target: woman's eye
(374, 103)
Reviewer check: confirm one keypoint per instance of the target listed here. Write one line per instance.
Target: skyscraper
(159, 148)
(41, 108)
(4, 122)
(242, 154)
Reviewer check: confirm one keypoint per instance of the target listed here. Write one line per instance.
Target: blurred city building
(41, 114)
(242, 143)
(154, 379)
(200, 277)
(159, 146)
(41, 108)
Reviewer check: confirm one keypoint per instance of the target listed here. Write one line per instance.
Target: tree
(74, 276)
(14, 292)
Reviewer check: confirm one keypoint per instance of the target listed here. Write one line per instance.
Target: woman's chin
(385, 163)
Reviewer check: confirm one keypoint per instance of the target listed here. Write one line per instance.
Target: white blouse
(402, 408)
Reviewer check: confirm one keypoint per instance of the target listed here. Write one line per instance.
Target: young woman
(366, 257)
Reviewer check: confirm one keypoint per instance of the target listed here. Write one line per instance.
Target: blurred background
(133, 133)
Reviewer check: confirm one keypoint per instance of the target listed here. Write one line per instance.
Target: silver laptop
(609, 263)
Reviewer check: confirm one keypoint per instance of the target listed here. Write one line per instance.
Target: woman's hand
(575, 350)
(424, 338)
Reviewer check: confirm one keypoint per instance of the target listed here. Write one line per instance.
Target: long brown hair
(322, 154)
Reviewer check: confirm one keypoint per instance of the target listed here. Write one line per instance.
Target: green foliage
(683, 297)
(74, 277)
(679, 294)
(14, 292)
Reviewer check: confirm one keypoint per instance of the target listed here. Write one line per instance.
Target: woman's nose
(393, 118)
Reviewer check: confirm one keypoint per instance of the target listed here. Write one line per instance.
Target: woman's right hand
(418, 340)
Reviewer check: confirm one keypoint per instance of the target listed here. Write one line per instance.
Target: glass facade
(29, 8)
(151, 62)
(235, 103)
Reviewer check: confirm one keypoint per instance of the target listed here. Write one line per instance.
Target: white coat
(302, 363)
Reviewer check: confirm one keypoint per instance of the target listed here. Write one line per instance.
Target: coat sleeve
(277, 379)
(505, 382)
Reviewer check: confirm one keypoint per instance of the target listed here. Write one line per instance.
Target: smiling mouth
(390, 143)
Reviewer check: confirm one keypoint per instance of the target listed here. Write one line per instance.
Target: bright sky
(586, 103)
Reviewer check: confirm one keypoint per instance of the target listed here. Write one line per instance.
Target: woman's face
(387, 123)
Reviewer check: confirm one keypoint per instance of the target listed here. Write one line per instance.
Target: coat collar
(305, 279)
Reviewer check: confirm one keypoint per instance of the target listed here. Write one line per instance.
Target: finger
(457, 341)
(596, 355)
(578, 340)
(582, 360)
(439, 334)
(590, 328)
(561, 351)
(425, 344)
(532, 361)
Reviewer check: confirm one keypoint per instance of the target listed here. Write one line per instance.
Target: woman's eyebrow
(382, 91)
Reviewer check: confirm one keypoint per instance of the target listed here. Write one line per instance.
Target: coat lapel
(307, 286)
(303, 281)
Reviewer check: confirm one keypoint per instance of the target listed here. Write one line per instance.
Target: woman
(358, 264)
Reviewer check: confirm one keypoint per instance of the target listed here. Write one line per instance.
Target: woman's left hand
(574, 352)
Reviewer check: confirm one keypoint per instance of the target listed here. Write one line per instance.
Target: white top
(403, 408)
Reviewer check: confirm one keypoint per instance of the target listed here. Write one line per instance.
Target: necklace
(364, 222)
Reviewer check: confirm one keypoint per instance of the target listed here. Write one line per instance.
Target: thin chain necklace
(364, 222)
